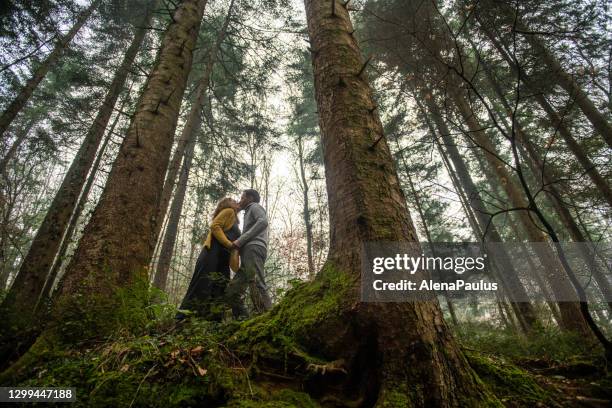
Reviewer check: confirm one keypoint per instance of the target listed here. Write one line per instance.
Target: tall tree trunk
(469, 210)
(421, 212)
(34, 270)
(519, 235)
(17, 104)
(193, 122)
(507, 273)
(502, 315)
(5, 271)
(74, 219)
(167, 247)
(306, 208)
(20, 137)
(597, 119)
(556, 121)
(561, 286)
(366, 204)
(118, 240)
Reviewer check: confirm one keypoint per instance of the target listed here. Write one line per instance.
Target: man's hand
(235, 244)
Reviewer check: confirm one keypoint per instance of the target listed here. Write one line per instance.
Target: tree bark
(306, 208)
(17, 104)
(366, 204)
(193, 122)
(34, 270)
(167, 248)
(118, 240)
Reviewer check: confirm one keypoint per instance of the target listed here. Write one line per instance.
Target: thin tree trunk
(519, 234)
(306, 209)
(554, 310)
(597, 119)
(34, 270)
(452, 173)
(565, 80)
(167, 247)
(539, 172)
(20, 101)
(502, 315)
(20, 136)
(419, 207)
(5, 272)
(366, 204)
(74, 220)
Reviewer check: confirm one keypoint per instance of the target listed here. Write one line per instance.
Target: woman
(212, 271)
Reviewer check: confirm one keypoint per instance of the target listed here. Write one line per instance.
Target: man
(253, 247)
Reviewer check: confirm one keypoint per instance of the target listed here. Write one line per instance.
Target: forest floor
(563, 368)
(193, 363)
(261, 363)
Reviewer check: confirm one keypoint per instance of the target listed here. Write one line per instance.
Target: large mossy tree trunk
(117, 243)
(22, 98)
(22, 300)
(397, 354)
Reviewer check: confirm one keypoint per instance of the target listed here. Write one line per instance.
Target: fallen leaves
(186, 357)
(201, 371)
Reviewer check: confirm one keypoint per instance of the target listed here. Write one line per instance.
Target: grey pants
(250, 275)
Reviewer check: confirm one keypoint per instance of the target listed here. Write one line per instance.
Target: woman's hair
(224, 203)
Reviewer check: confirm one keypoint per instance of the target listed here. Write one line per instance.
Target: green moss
(543, 343)
(276, 334)
(395, 399)
(178, 368)
(285, 398)
(212, 364)
(145, 363)
(95, 316)
(508, 382)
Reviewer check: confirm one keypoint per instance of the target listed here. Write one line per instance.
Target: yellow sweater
(222, 222)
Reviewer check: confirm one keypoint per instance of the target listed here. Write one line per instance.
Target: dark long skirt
(205, 295)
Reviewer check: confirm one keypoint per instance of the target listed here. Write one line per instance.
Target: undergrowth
(152, 361)
(545, 343)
